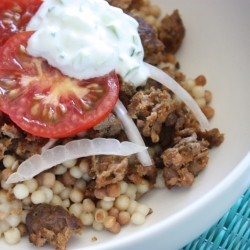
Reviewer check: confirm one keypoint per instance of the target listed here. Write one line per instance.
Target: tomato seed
(7, 22)
(17, 16)
(17, 8)
(8, 14)
(13, 93)
(34, 109)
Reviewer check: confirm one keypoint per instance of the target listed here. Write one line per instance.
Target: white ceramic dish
(216, 45)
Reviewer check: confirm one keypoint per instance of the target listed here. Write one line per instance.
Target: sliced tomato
(43, 101)
(15, 15)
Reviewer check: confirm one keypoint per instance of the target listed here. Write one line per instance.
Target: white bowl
(216, 45)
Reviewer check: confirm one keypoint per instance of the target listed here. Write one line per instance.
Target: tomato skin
(46, 103)
(15, 15)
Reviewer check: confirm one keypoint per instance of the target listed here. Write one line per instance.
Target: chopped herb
(131, 70)
(113, 29)
(133, 52)
(51, 9)
(135, 40)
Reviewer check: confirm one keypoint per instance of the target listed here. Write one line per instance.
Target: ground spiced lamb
(52, 224)
(151, 44)
(172, 32)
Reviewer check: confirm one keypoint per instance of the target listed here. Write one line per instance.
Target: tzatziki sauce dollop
(86, 39)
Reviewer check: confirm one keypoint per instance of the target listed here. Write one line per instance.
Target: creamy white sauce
(87, 38)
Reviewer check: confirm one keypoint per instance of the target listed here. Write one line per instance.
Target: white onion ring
(72, 150)
(163, 78)
(132, 132)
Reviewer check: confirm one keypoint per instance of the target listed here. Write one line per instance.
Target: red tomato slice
(15, 15)
(43, 101)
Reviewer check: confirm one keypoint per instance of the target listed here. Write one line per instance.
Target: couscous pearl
(107, 198)
(70, 163)
(106, 204)
(155, 11)
(56, 200)
(189, 84)
(131, 191)
(76, 209)
(87, 219)
(65, 193)
(132, 206)
(48, 180)
(6, 186)
(67, 179)
(5, 208)
(22, 228)
(32, 185)
(59, 169)
(24, 215)
(122, 202)
(12, 236)
(38, 197)
(58, 187)
(201, 102)
(84, 166)
(208, 111)
(201, 80)
(109, 221)
(27, 201)
(114, 212)
(145, 10)
(88, 206)
(48, 193)
(100, 215)
(143, 187)
(66, 203)
(4, 226)
(21, 191)
(76, 172)
(16, 207)
(115, 229)
(98, 226)
(198, 92)
(81, 184)
(76, 195)
(6, 173)
(137, 218)
(123, 218)
(123, 186)
(86, 177)
(151, 20)
(142, 208)
(13, 220)
(8, 161)
(100, 193)
(113, 190)
(3, 196)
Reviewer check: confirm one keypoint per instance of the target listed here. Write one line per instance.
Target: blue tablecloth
(231, 232)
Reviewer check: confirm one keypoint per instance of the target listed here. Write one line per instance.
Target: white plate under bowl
(216, 45)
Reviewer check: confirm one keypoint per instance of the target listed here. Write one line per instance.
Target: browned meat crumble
(172, 32)
(151, 44)
(52, 224)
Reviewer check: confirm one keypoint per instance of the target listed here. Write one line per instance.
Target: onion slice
(72, 150)
(132, 132)
(163, 78)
